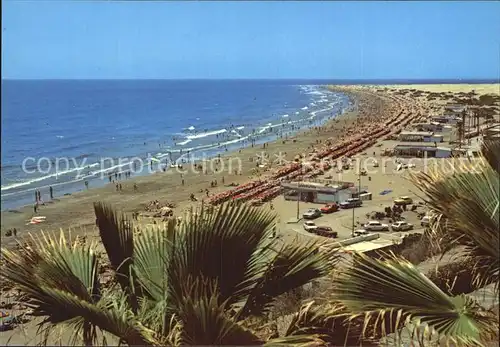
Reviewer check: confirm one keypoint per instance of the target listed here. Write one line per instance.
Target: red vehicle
(329, 208)
(325, 232)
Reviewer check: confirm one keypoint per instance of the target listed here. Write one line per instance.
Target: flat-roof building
(429, 126)
(421, 151)
(317, 192)
(447, 119)
(454, 109)
(417, 136)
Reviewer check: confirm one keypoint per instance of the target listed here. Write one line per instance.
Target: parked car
(360, 232)
(401, 226)
(425, 221)
(375, 226)
(325, 232)
(310, 226)
(312, 213)
(403, 200)
(351, 203)
(329, 208)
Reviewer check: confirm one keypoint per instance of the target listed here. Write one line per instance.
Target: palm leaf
(491, 152)
(115, 321)
(458, 277)
(205, 321)
(331, 322)
(392, 294)
(467, 205)
(116, 234)
(56, 263)
(150, 259)
(292, 266)
(219, 246)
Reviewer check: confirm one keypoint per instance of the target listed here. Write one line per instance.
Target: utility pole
(299, 192)
(359, 197)
(298, 201)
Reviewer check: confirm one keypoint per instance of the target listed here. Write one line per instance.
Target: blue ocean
(61, 133)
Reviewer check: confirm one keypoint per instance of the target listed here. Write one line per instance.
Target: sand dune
(454, 88)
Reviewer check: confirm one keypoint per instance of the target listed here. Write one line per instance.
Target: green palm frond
(458, 277)
(491, 152)
(151, 257)
(291, 266)
(206, 322)
(220, 246)
(117, 236)
(53, 263)
(331, 322)
(296, 340)
(466, 203)
(115, 321)
(393, 294)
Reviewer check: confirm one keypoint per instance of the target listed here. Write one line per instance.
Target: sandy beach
(381, 110)
(373, 104)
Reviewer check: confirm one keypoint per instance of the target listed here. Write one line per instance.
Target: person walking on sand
(36, 196)
(135, 187)
(87, 184)
(51, 193)
(14, 232)
(117, 187)
(35, 207)
(120, 185)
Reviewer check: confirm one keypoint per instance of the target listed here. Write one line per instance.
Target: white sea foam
(209, 133)
(42, 178)
(112, 168)
(191, 128)
(236, 133)
(183, 143)
(285, 116)
(240, 128)
(304, 108)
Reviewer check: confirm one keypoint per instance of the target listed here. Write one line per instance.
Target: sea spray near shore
(159, 119)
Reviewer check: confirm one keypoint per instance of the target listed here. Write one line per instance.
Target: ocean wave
(285, 116)
(315, 92)
(111, 169)
(304, 108)
(264, 128)
(236, 133)
(43, 178)
(183, 143)
(209, 133)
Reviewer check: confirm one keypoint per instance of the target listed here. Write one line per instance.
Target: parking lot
(342, 220)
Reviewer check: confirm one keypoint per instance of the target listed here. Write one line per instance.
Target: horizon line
(406, 80)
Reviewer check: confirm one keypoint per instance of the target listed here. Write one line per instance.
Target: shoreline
(11, 218)
(76, 211)
(96, 173)
(377, 112)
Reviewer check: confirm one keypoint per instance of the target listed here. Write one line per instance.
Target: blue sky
(342, 40)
